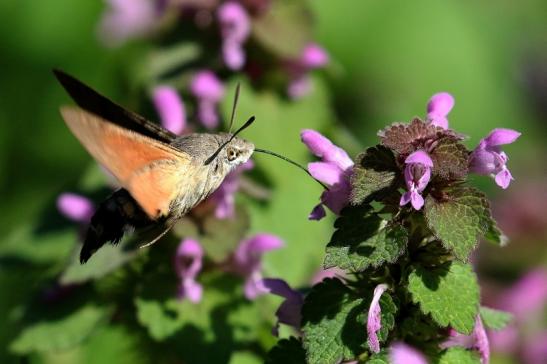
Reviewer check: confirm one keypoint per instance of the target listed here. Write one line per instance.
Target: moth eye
(232, 154)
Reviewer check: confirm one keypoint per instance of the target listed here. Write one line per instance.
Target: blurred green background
(388, 59)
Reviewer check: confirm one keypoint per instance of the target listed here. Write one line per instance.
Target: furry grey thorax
(205, 179)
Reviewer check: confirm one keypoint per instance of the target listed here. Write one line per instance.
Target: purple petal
(336, 198)
(233, 55)
(420, 157)
(207, 114)
(424, 180)
(261, 243)
(416, 200)
(317, 213)
(170, 108)
(299, 87)
(501, 136)
(405, 198)
(374, 321)
(327, 273)
(439, 105)
(249, 253)
(126, 19)
(503, 178)
(289, 312)
(506, 340)
(190, 289)
(75, 207)
(481, 341)
(280, 287)
(482, 162)
(205, 85)
(401, 353)
(326, 172)
(188, 258)
(325, 149)
(234, 22)
(314, 56)
(439, 121)
(254, 286)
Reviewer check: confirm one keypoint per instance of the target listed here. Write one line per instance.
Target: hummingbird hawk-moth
(162, 175)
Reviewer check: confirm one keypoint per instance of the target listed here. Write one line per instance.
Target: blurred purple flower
(313, 56)
(126, 19)
(224, 196)
(527, 296)
(188, 263)
(208, 90)
(334, 171)
(401, 353)
(438, 107)
(374, 321)
(488, 159)
(535, 351)
(478, 340)
(417, 175)
(505, 340)
(289, 312)
(247, 261)
(75, 207)
(170, 107)
(235, 27)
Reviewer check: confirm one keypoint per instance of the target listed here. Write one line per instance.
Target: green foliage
(59, 333)
(458, 218)
(380, 358)
(458, 355)
(287, 351)
(364, 240)
(495, 319)
(450, 293)
(450, 159)
(333, 323)
(374, 174)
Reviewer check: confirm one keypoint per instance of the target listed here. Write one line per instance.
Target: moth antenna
(291, 162)
(234, 107)
(243, 127)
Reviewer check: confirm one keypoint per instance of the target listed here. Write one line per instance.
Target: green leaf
(104, 261)
(333, 323)
(285, 28)
(450, 293)
(495, 319)
(458, 355)
(458, 218)
(494, 234)
(363, 240)
(374, 173)
(388, 311)
(59, 333)
(380, 358)
(287, 351)
(450, 159)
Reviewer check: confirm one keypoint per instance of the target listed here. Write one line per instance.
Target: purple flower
(374, 321)
(75, 207)
(327, 273)
(224, 196)
(401, 353)
(313, 56)
(535, 351)
(235, 27)
(208, 90)
(126, 19)
(417, 175)
(247, 261)
(438, 107)
(488, 159)
(478, 340)
(527, 296)
(334, 171)
(170, 107)
(188, 263)
(289, 312)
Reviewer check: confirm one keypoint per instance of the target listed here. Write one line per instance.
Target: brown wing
(151, 171)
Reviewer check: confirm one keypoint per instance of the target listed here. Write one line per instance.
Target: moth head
(237, 151)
